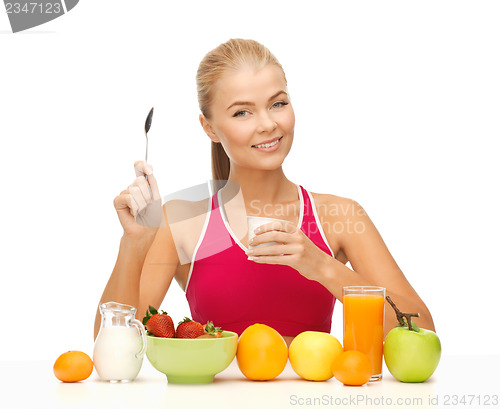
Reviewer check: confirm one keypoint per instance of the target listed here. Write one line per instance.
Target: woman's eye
(279, 104)
(240, 113)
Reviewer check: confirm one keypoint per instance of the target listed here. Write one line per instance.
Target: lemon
(312, 354)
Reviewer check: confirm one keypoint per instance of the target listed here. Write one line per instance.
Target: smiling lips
(268, 144)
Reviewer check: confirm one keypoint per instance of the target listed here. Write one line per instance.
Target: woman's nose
(266, 123)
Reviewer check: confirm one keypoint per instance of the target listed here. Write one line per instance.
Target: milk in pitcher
(120, 345)
(115, 355)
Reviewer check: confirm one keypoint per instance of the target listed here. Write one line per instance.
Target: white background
(397, 106)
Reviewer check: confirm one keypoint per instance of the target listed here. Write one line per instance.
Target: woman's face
(251, 108)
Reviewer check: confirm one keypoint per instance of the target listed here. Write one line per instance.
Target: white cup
(254, 222)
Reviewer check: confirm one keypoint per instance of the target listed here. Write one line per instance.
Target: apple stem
(401, 316)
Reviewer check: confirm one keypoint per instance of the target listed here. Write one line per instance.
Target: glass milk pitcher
(121, 343)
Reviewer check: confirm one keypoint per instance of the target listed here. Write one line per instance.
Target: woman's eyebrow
(252, 103)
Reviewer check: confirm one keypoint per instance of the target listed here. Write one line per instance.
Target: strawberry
(159, 325)
(211, 330)
(188, 328)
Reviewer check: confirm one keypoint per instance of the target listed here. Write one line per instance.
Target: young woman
(291, 284)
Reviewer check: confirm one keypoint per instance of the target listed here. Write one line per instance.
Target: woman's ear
(208, 129)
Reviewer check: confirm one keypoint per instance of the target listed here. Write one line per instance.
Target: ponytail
(220, 166)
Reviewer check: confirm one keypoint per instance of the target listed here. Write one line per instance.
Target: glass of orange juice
(364, 323)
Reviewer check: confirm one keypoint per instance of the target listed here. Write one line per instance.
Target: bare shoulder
(337, 215)
(346, 221)
(178, 209)
(336, 208)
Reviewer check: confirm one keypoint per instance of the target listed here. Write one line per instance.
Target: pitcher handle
(142, 331)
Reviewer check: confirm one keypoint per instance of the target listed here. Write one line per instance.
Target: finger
(122, 201)
(283, 260)
(154, 187)
(272, 250)
(142, 168)
(141, 183)
(134, 207)
(278, 226)
(279, 236)
(136, 194)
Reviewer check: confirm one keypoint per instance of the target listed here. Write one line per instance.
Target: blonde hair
(230, 55)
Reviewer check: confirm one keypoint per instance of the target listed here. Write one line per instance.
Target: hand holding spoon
(147, 126)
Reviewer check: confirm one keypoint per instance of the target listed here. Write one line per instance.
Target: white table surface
(468, 381)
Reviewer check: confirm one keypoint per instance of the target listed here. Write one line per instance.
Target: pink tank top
(234, 292)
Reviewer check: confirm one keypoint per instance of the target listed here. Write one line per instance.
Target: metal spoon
(147, 125)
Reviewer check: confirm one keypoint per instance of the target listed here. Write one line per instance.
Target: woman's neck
(265, 186)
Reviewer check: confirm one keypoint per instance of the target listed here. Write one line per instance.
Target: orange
(352, 368)
(73, 366)
(312, 354)
(262, 353)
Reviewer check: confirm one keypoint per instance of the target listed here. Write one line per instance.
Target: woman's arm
(347, 227)
(370, 259)
(159, 269)
(143, 272)
(123, 284)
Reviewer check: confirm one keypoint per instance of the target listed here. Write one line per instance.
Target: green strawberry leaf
(149, 313)
(186, 319)
(211, 329)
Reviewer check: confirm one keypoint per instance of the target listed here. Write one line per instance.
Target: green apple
(411, 355)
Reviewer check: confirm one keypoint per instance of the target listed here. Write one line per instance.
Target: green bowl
(192, 360)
